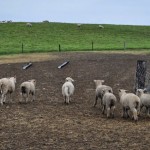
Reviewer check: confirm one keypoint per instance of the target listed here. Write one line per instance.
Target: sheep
(108, 102)
(27, 88)
(29, 24)
(129, 101)
(100, 26)
(68, 89)
(99, 90)
(145, 100)
(79, 25)
(7, 85)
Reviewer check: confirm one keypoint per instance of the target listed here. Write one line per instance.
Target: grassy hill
(43, 37)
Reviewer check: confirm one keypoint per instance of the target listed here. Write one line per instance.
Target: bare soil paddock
(48, 123)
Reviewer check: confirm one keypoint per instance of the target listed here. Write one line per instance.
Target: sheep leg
(135, 117)
(67, 99)
(103, 109)
(148, 112)
(112, 113)
(1, 101)
(27, 97)
(108, 112)
(33, 96)
(123, 112)
(96, 98)
(127, 113)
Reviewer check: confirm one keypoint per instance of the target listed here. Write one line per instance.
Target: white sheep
(68, 89)
(145, 100)
(100, 88)
(29, 24)
(129, 101)
(100, 26)
(7, 86)
(28, 88)
(108, 103)
(79, 25)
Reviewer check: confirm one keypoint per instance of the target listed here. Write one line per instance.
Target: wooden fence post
(140, 74)
(22, 47)
(59, 48)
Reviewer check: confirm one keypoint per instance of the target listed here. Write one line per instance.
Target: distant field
(46, 37)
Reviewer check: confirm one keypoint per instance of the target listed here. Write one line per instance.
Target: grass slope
(44, 37)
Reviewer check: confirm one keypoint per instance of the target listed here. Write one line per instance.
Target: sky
(126, 12)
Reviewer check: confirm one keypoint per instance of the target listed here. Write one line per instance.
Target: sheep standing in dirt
(28, 88)
(145, 100)
(108, 103)
(68, 89)
(7, 87)
(129, 101)
(100, 88)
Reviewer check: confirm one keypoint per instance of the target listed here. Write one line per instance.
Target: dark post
(140, 74)
(22, 47)
(124, 45)
(59, 48)
(92, 45)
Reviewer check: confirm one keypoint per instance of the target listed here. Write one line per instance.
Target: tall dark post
(124, 45)
(140, 74)
(92, 45)
(59, 48)
(22, 47)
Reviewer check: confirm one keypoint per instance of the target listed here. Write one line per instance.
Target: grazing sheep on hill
(100, 26)
(145, 100)
(79, 25)
(27, 88)
(29, 24)
(108, 102)
(100, 88)
(68, 89)
(7, 85)
(129, 101)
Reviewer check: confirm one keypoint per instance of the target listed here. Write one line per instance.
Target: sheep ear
(103, 81)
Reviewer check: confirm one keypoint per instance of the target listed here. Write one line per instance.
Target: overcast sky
(132, 12)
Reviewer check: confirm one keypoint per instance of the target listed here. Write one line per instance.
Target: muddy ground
(47, 123)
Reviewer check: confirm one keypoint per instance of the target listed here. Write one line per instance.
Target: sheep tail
(23, 89)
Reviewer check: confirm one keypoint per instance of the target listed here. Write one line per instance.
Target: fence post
(92, 45)
(140, 74)
(124, 45)
(22, 47)
(59, 48)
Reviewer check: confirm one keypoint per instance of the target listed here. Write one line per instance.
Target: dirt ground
(47, 123)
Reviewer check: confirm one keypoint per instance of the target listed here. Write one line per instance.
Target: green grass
(45, 37)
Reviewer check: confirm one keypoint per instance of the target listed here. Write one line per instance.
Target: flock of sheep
(129, 101)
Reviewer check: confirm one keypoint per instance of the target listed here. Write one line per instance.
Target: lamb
(68, 89)
(145, 100)
(129, 101)
(7, 86)
(100, 90)
(28, 88)
(108, 102)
